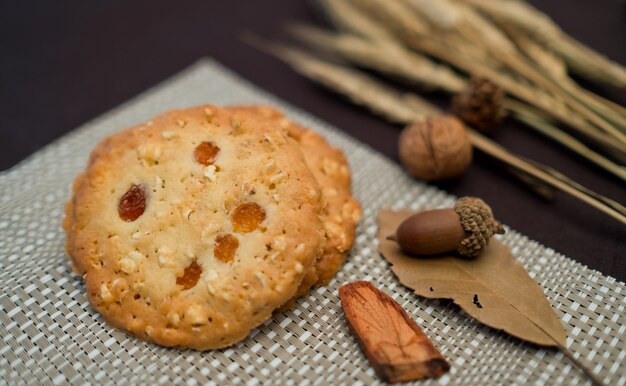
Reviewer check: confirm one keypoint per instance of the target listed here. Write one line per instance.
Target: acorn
(466, 228)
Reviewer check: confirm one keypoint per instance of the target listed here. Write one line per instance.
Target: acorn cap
(478, 221)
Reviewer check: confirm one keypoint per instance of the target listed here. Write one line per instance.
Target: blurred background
(63, 63)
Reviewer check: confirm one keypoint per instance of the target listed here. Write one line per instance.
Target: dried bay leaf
(494, 288)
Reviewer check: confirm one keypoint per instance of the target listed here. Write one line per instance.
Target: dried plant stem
(481, 33)
(543, 58)
(397, 20)
(604, 107)
(346, 18)
(398, 62)
(381, 99)
(355, 19)
(546, 192)
(533, 119)
(465, 30)
(398, 13)
(388, 59)
(621, 110)
(551, 177)
(581, 59)
(347, 82)
(565, 93)
(528, 94)
(556, 68)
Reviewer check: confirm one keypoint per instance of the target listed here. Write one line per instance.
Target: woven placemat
(51, 335)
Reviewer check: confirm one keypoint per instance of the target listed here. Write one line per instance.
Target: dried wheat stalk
(554, 65)
(383, 100)
(515, 87)
(351, 84)
(398, 62)
(351, 16)
(533, 119)
(482, 32)
(544, 58)
(344, 16)
(531, 95)
(490, 41)
(532, 22)
(388, 59)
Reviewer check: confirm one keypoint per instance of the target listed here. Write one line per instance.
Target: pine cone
(480, 105)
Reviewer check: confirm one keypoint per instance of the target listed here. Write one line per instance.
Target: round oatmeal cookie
(191, 229)
(341, 212)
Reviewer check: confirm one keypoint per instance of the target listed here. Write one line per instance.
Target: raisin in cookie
(341, 212)
(191, 229)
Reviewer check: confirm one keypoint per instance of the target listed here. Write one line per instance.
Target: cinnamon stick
(394, 344)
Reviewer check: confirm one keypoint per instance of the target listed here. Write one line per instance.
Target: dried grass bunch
(440, 44)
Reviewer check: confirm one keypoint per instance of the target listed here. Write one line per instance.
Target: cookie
(191, 229)
(341, 212)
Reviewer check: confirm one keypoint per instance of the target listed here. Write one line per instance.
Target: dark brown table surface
(64, 62)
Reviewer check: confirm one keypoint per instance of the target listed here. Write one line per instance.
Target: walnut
(437, 148)
(480, 105)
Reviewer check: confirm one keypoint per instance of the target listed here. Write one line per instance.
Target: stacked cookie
(193, 228)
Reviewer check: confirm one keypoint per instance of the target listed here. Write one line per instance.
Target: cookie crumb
(186, 213)
(210, 172)
(210, 288)
(105, 293)
(196, 315)
(165, 257)
(127, 265)
(248, 188)
(235, 124)
(261, 278)
(284, 123)
(278, 177)
(329, 167)
(208, 281)
(279, 243)
(330, 192)
(268, 165)
(174, 318)
(159, 182)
